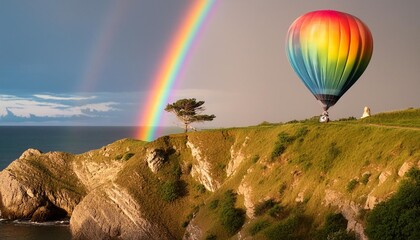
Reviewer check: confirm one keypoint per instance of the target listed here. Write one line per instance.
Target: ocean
(15, 140)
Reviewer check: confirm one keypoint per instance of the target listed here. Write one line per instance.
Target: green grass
(405, 118)
(314, 157)
(280, 163)
(57, 177)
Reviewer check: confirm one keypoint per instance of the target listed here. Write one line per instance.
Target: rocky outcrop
(155, 159)
(39, 186)
(371, 202)
(246, 190)
(49, 212)
(201, 169)
(236, 157)
(193, 232)
(52, 186)
(30, 153)
(384, 176)
(95, 173)
(405, 168)
(111, 212)
(349, 209)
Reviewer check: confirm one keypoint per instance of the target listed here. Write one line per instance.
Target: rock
(300, 197)
(96, 173)
(49, 212)
(110, 212)
(201, 169)
(155, 159)
(245, 190)
(236, 158)
(349, 209)
(15, 201)
(34, 179)
(296, 173)
(371, 201)
(384, 176)
(405, 168)
(366, 112)
(31, 152)
(193, 232)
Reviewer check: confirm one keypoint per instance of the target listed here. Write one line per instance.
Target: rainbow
(171, 67)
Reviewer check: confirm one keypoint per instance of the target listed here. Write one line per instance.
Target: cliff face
(39, 186)
(111, 212)
(174, 187)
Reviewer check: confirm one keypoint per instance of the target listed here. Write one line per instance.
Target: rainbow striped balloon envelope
(329, 51)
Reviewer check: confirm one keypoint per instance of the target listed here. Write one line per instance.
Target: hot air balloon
(329, 51)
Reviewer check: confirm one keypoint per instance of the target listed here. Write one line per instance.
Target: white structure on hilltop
(366, 112)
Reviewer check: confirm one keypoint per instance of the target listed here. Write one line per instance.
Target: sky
(93, 62)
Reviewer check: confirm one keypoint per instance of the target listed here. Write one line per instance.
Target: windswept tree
(188, 111)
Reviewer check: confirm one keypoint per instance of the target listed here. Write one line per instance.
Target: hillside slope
(254, 182)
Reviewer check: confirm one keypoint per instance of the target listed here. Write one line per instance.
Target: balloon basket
(324, 117)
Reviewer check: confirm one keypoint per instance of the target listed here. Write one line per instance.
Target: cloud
(30, 107)
(98, 107)
(61, 98)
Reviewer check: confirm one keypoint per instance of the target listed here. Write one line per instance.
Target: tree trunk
(186, 127)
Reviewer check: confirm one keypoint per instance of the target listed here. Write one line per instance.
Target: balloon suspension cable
(324, 117)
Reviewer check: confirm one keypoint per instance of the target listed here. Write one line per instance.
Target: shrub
(255, 158)
(257, 227)
(278, 150)
(263, 207)
(334, 228)
(285, 229)
(171, 190)
(304, 160)
(275, 211)
(200, 188)
(265, 123)
(347, 119)
(185, 224)
(211, 237)
(399, 216)
(283, 140)
(231, 218)
(332, 154)
(365, 178)
(351, 185)
(189, 168)
(176, 171)
(282, 188)
(214, 204)
(221, 166)
(341, 235)
(301, 132)
(334, 222)
(128, 156)
(293, 121)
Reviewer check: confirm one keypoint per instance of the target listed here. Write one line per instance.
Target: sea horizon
(14, 140)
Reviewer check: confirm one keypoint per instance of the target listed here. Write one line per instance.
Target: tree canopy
(188, 111)
(399, 216)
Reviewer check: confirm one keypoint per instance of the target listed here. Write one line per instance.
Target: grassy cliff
(296, 180)
(272, 179)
